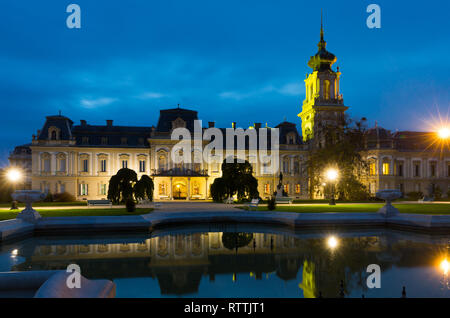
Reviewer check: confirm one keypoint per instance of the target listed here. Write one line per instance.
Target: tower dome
(323, 60)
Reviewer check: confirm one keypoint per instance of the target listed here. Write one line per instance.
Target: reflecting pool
(246, 261)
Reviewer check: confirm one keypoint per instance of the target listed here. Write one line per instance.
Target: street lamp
(14, 175)
(332, 175)
(444, 133)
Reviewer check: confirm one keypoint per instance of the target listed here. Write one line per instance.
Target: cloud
(290, 89)
(151, 95)
(94, 103)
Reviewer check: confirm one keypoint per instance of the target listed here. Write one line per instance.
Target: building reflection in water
(179, 261)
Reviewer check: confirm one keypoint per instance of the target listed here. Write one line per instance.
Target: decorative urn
(28, 197)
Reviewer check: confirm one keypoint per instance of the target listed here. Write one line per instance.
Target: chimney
(211, 124)
(83, 122)
(257, 125)
(109, 122)
(233, 125)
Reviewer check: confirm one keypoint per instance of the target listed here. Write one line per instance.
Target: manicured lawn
(8, 214)
(361, 207)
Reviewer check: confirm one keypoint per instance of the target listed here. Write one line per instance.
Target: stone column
(53, 163)
(291, 168)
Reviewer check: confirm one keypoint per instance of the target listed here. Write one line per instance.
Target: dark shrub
(271, 204)
(131, 205)
(64, 197)
(49, 197)
(414, 195)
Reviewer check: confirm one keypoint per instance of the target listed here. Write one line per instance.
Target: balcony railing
(179, 172)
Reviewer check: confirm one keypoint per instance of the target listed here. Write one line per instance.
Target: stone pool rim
(15, 229)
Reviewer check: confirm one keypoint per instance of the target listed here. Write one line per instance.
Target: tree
(340, 147)
(233, 240)
(143, 190)
(237, 178)
(121, 186)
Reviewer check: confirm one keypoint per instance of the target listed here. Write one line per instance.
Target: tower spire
(321, 25)
(322, 44)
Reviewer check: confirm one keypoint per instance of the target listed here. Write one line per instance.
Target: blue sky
(242, 61)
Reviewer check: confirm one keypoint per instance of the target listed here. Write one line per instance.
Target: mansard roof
(111, 136)
(167, 116)
(286, 128)
(63, 123)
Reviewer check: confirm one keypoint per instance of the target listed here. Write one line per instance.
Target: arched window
(53, 135)
(326, 89)
(162, 161)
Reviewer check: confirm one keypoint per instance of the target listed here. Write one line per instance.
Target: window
(62, 165)
(124, 164)
(83, 189)
(400, 170)
(285, 166)
(286, 188)
(385, 168)
(372, 169)
(417, 170)
(296, 167)
(162, 189)
(123, 140)
(85, 140)
(104, 140)
(267, 188)
(62, 188)
(297, 188)
(47, 165)
(196, 188)
(85, 165)
(53, 135)
(433, 169)
(103, 165)
(103, 190)
(326, 89)
(141, 165)
(162, 162)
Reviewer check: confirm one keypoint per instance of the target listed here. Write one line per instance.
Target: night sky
(233, 60)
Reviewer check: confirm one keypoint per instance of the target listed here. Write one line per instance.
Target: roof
(167, 116)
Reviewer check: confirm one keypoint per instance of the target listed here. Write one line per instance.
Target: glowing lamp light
(332, 242)
(444, 133)
(14, 175)
(14, 253)
(332, 174)
(445, 266)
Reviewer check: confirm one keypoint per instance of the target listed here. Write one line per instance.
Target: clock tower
(323, 105)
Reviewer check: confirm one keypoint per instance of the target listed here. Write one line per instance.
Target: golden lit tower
(323, 104)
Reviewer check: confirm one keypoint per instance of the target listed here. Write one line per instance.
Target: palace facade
(80, 159)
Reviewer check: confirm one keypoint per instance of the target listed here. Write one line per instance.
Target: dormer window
(104, 140)
(54, 133)
(123, 140)
(85, 140)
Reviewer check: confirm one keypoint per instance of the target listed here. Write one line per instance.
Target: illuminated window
(162, 189)
(385, 168)
(267, 188)
(103, 189)
(83, 189)
(297, 188)
(286, 188)
(372, 169)
(195, 189)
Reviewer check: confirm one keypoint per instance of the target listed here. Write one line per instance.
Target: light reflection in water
(297, 264)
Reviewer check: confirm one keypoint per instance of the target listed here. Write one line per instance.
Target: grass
(11, 214)
(420, 208)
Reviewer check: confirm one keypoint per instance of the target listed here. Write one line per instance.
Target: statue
(280, 186)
